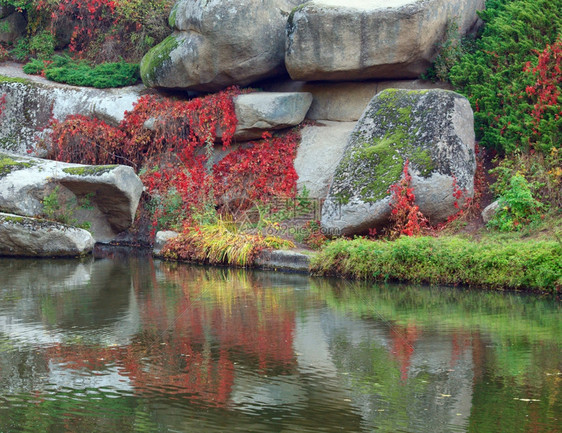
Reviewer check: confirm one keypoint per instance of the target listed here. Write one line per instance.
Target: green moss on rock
(377, 159)
(6, 79)
(153, 61)
(94, 170)
(9, 165)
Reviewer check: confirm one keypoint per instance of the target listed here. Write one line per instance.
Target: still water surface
(127, 344)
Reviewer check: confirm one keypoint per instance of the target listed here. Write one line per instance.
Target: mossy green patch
(95, 170)
(378, 158)
(9, 165)
(153, 60)
(6, 79)
(172, 17)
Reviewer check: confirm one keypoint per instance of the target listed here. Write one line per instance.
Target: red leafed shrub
(406, 218)
(87, 141)
(260, 172)
(2, 103)
(545, 94)
(171, 141)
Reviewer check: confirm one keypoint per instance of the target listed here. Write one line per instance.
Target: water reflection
(124, 343)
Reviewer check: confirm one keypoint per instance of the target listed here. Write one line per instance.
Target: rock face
(32, 237)
(432, 129)
(31, 101)
(12, 24)
(361, 39)
(160, 240)
(321, 148)
(217, 43)
(105, 197)
(344, 101)
(265, 111)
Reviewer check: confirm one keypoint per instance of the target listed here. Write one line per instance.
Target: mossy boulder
(34, 237)
(102, 198)
(218, 43)
(433, 130)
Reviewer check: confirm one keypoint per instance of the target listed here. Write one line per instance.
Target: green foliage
(517, 206)
(63, 69)
(42, 45)
(450, 51)
(59, 207)
(509, 264)
(495, 76)
(21, 52)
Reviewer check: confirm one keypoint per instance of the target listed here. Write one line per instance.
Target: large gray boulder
(433, 130)
(33, 237)
(218, 43)
(103, 197)
(32, 101)
(361, 39)
(12, 25)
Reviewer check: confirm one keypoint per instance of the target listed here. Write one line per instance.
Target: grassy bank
(487, 263)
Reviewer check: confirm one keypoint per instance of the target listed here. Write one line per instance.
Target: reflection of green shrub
(63, 69)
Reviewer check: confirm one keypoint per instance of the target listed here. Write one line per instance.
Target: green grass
(63, 69)
(487, 263)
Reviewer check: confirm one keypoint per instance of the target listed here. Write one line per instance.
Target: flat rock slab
(285, 260)
(218, 43)
(365, 39)
(106, 197)
(32, 101)
(32, 237)
(265, 111)
(320, 150)
(431, 129)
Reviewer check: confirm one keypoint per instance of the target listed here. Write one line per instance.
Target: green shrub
(497, 73)
(535, 265)
(42, 45)
(63, 69)
(517, 206)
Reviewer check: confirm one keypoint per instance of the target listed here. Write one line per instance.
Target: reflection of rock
(32, 237)
(106, 197)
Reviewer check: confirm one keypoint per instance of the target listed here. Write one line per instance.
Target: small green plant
(57, 206)
(449, 53)
(517, 206)
(42, 45)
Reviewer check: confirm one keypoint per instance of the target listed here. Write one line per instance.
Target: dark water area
(123, 343)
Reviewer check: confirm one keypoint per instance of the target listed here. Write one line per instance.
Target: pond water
(126, 344)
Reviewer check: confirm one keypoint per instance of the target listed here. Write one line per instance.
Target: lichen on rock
(432, 129)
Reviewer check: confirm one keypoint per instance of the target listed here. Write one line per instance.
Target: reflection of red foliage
(403, 339)
(190, 347)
